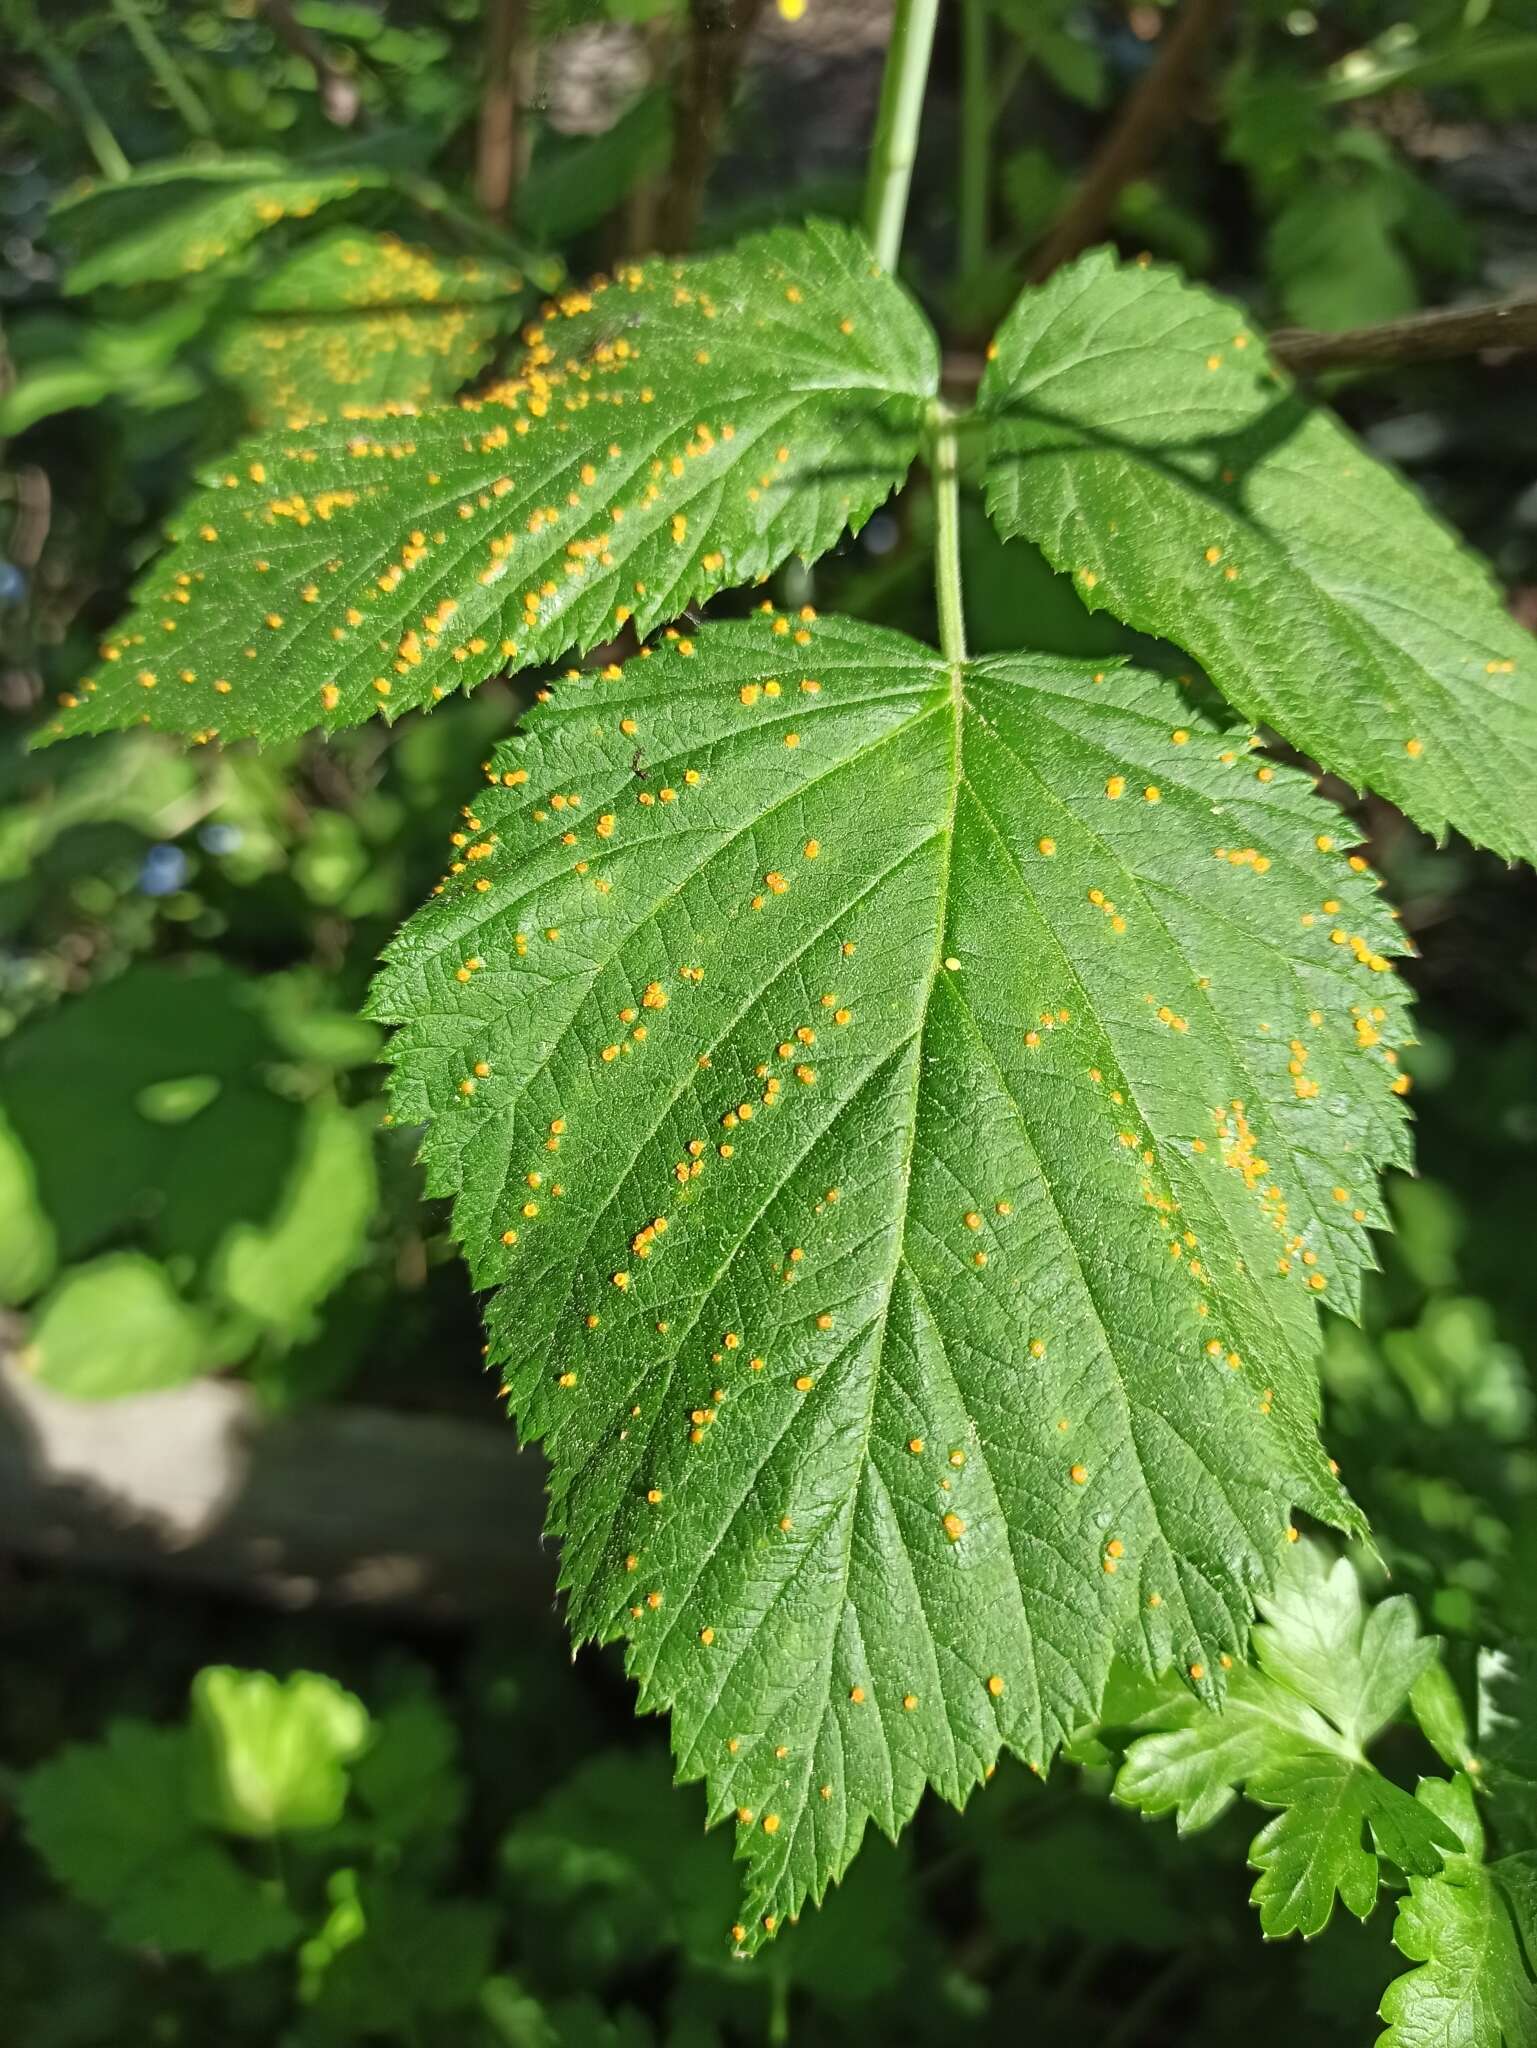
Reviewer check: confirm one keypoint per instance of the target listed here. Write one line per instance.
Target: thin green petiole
(174, 82)
(891, 174)
(100, 140)
(944, 468)
(896, 127)
(975, 168)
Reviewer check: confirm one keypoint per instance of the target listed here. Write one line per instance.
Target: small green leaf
(686, 427)
(1140, 437)
(117, 1326)
(113, 1823)
(398, 1954)
(1438, 1708)
(280, 1271)
(908, 1117)
(75, 1085)
(178, 219)
(1473, 1932)
(1327, 1678)
(28, 1246)
(272, 1754)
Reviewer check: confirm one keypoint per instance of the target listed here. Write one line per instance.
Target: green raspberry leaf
(272, 1754)
(113, 1822)
(687, 427)
(1473, 1932)
(1140, 437)
(354, 322)
(177, 219)
(908, 1118)
(1327, 1677)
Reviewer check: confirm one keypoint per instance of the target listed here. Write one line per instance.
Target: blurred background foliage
(193, 1173)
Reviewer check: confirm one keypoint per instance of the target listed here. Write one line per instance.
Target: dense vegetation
(904, 769)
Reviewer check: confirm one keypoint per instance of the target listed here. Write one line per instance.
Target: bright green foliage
(125, 1113)
(272, 1754)
(279, 1272)
(908, 1118)
(117, 1326)
(1294, 1734)
(686, 427)
(1472, 1929)
(114, 1823)
(1140, 437)
(355, 321)
(28, 1247)
(178, 219)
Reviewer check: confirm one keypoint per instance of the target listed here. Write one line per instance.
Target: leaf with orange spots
(906, 1118)
(177, 219)
(1140, 436)
(684, 428)
(355, 321)
(1328, 1678)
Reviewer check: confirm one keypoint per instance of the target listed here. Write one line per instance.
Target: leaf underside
(682, 429)
(908, 1117)
(1140, 437)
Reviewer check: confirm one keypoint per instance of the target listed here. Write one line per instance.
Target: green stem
(896, 126)
(779, 2007)
(977, 105)
(174, 81)
(100, 140)
(943, 467)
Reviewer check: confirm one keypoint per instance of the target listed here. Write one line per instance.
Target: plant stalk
(502, 142)
(896, 127)
(70, 86)
(944, 468)
(977, 109)
(174, 82)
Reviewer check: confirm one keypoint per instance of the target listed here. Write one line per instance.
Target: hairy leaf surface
(356, 321)
(686, 427)
(1293, 1734)
(908, 1117)
(1140, 437)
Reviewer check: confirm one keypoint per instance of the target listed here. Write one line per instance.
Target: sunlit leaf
(908, 1118)
(1140, 437)
(684, 428)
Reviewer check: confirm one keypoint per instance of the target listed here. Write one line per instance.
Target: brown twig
(712, 62)
(1418, 338)
(1160, 102)
(502, 142)
(1509, 324)
(639, 219)
(340, 100)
